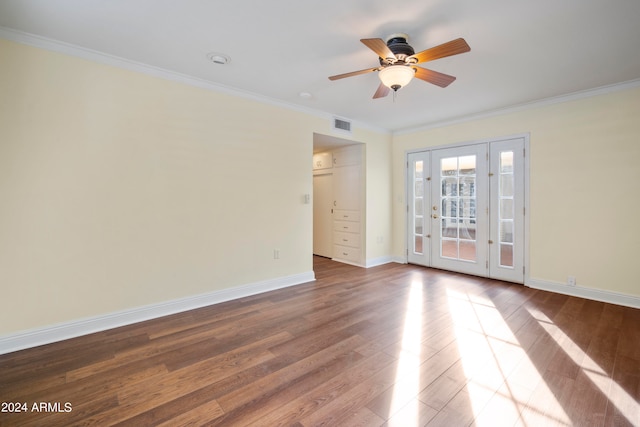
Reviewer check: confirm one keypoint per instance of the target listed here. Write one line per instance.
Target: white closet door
(322, 215)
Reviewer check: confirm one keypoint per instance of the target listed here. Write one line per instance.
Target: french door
(459, 209)
(466, 209)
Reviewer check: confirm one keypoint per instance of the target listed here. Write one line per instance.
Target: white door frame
(526, 168)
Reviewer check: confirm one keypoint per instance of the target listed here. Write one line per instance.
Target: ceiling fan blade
(353, 73)
(453, 47)
(381, 92)
(379, 47)
(434, 77)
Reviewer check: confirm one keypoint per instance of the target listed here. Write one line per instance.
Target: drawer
(346, 239)
(346, 226)
(346, 253)
(344, 215)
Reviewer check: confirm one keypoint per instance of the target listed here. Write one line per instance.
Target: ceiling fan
(398, 63)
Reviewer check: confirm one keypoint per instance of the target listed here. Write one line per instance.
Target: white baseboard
(76, 328)
(587, 293)
(344, 261)
(378, 261)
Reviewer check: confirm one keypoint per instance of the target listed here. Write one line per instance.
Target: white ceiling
(521, 51)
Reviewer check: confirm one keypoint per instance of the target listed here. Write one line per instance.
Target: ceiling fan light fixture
(396, 76)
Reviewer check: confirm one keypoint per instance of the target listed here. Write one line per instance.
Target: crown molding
(127, 64)
(115, 61)
(574, 96)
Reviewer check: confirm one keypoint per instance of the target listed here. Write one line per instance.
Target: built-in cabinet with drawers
(347, 208)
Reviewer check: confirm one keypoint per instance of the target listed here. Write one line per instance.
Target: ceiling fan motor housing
(397, 44)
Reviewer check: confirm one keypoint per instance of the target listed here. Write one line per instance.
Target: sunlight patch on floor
(407, 384)
(617, 396)
(490, 354)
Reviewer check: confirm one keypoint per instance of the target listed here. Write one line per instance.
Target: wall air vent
(341, 125)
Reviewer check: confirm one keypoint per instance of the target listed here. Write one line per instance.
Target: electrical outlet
(571, 281)
(276, 254)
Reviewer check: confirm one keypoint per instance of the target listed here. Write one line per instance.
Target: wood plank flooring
(395, 345)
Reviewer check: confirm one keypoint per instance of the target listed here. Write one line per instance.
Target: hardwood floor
(394, 345)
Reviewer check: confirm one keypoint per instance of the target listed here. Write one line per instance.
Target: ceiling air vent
(341, 125)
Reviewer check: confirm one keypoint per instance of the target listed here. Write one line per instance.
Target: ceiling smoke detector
(218, 58)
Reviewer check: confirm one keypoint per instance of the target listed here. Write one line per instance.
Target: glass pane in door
(458, 207)
(506, 209)
(419, 206)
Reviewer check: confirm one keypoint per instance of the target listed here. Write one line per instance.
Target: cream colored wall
(584, 179)
(378, 198)
(120, 190)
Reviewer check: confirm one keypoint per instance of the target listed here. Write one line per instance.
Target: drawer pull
(345, 254)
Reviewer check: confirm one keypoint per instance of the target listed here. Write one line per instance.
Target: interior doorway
(338, 198)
